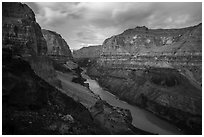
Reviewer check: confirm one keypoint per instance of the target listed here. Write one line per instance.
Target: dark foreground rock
(115, 119)
(30, 102)
(32, 106)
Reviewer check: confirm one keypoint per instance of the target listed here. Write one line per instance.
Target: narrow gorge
(43, 91)
(140, 82)
(156, 69)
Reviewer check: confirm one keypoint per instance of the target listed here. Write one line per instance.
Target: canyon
(43, 91)
(156, 69)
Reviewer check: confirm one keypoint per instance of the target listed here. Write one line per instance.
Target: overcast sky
(84, 24)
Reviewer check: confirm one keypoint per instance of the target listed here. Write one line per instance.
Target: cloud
(82, 24)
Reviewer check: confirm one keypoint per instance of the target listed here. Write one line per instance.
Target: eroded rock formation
(59, 51)
(32, 104)
(22, 35)
(56, 45)
(159, 70)
(166, 48)
(20, 30)
(88, 52)
(87, 55)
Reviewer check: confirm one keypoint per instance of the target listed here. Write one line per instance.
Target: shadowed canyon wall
(31, 102)
(21, 32)
(22, 35)
(30, 105)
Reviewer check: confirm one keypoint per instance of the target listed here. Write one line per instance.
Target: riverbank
(114, 119)
(166, 101)
(142, 119)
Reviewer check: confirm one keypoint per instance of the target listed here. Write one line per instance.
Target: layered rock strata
(58, 48)
(87, 55)
(166, 48)
(21, 32)
(31, 105)
(59, 51)
(22, 35)
(88, 52)
(159, 70)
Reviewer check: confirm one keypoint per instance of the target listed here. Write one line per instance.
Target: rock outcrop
(57, 46)
(22, 35)
(20, 31)
(115, 119)
(59, 51)
(159, 70)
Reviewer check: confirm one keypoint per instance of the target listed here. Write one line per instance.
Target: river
(142, 119)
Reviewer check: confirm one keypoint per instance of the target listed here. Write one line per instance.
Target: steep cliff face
(21, 32)
(170, 48)
(159, 70)
(30, 104)
(57, 46)
(141, 41)
(88, 52)
(59, 51)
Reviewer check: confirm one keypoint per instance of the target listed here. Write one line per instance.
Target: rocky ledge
(115, 119)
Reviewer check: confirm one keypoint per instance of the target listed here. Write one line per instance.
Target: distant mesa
(88, 52)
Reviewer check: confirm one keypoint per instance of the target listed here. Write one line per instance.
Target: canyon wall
(171, 48)
(157, 69)
(20, 31)
(32, 98)
(22, 35)
(56, 45)
(88, 52)
(31, 105)
(87, 55)
(58, 50)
